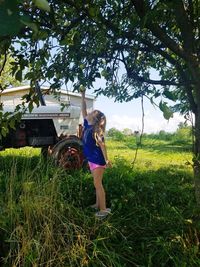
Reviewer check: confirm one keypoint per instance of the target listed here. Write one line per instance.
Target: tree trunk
(196, 157)
(195, 71)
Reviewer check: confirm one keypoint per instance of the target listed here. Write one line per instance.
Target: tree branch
(184, 25)
(133, 75)
(139, 78)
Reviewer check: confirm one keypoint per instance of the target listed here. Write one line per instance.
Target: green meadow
(45, 219)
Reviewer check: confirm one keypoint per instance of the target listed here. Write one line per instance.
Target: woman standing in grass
(95, 151)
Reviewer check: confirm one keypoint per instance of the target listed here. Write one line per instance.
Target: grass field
(45, 219)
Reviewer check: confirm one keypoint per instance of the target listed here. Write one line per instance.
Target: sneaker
(102, 213)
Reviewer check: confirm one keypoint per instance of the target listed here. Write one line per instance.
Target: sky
(129, 115)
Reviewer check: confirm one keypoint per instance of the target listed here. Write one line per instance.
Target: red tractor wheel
(68, 153)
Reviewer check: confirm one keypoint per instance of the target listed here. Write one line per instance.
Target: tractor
(57, 132)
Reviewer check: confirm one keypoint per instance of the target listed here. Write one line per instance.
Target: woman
(95, 151)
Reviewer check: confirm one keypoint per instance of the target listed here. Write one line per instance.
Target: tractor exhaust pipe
(39, 93)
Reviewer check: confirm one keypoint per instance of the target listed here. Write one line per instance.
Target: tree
(115, 134)
(127, 131)
(121, 41)
(183, 134)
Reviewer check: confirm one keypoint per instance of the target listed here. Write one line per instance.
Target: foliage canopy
(121, 41)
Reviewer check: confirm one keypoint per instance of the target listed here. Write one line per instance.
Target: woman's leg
(100, 193)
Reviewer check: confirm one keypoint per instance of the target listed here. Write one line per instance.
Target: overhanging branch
(133, 75)
(139, 78)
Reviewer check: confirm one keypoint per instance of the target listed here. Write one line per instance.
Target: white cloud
(151, 125)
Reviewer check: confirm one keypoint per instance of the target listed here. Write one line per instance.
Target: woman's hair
(99, 126)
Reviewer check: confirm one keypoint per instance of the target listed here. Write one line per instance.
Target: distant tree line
(183, 134)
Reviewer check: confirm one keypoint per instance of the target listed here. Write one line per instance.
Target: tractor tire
(68, 153)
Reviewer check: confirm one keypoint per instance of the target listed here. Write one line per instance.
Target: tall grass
(45, 219)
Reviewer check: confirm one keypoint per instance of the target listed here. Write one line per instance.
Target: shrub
(115, 134)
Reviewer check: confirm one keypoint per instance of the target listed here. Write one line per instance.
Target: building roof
(27, 87)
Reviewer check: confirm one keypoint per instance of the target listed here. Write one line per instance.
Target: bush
(183, 135)
(115, 134)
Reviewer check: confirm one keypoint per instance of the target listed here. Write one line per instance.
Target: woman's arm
(83, 104)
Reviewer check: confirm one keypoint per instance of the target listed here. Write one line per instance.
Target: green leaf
(4, 131)
(30, 107)
(42, 35)
(18, 75)
(167, 113)
(42, 4)
(12, 123)
(93, 11)
(31, 25)
(69, 38)
(161, 106)
(169, 95)
(104, 73)
(9, 18)
(82, 66)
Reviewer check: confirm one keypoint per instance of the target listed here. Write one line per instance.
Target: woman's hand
(108, 164)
